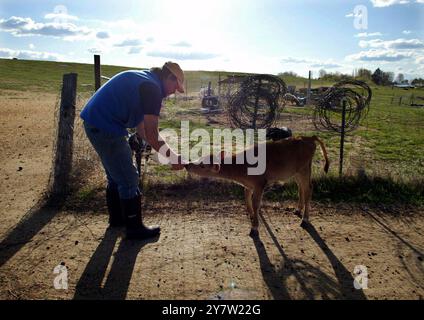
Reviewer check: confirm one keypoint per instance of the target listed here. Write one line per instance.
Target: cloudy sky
(267, 36)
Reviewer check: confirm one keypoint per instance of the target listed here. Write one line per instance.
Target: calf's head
(208, 166)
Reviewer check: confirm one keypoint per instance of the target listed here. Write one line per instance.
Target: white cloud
(126, 24)
(325, 65)
(392, 44)
(379, 55)
(367, 35)
(135, 50)
(60, 17)
(128, 43)
(102, 35)
(407, 31)
(29, 54)
(295, 60)
(181, 54)
(19, 26)
(31, 46)
(311, 63)
(182, 44)
(387, 3)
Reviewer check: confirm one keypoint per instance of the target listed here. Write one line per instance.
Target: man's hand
(136, 144)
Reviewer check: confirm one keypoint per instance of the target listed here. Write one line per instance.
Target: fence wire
(84, 159)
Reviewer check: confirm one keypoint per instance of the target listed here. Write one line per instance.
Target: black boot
(116, 219)
(133, 220)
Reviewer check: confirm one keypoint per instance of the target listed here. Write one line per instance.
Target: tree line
(379, 77)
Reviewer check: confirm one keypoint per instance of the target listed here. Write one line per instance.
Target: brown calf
(284, 159)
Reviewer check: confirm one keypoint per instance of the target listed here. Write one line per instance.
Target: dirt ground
(204, 251)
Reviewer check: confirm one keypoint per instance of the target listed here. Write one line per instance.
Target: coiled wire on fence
(255, 104)
(329, 108)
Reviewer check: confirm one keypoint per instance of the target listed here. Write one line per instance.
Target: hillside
(46, 76)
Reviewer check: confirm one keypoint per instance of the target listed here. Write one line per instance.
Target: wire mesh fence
(84, 159)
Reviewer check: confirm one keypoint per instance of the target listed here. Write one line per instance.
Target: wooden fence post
(62, 164)
(219, 86)
(308, 94)
(342, 138)
(97, 82)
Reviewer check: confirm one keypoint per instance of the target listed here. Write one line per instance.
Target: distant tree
(364, 74)
(400, 78)
(418, 82)
(388, 78)
(377, 77)
(336, 76)
(288, 74)
(322, 73)
(382, 78)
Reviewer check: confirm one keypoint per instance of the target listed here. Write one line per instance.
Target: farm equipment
(292, 98)
(210, 102)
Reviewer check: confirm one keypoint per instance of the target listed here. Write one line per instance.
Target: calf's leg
(256, 202)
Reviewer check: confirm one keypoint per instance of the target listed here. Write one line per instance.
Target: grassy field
(384, 156)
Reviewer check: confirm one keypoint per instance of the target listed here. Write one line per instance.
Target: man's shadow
(30, 224)
(313, 282)
(118, 280)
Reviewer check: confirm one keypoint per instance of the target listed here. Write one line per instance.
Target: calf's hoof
(298, 213)
(254, 233)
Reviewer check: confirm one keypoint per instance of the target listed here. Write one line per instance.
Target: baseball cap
(177, 72)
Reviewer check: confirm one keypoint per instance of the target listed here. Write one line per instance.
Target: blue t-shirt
(123, 101)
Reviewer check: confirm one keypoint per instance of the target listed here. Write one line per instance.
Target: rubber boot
(133, 220)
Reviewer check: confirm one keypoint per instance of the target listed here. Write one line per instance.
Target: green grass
(86, 193)
(372, 190)
(389, 146)
(392, 136)
(46, 76)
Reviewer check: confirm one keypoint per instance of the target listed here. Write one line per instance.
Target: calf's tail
(324, 153)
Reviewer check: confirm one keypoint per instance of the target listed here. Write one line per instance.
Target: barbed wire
(255, 103)
(329, 107)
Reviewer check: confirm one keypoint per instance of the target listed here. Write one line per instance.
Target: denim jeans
(116, 156)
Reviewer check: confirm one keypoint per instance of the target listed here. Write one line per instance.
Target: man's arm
(149, 131)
